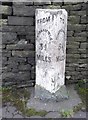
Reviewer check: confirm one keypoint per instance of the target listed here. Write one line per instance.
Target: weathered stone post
(51, 33)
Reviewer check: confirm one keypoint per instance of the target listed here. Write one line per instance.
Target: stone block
(26, 67)
(72, 51)
(82, 34)
(33, 75)
(87, 27)
(19, 29)
(82, 50)
(74, 19)
(12, 63)
(8, 37)
(70, 33)
(84, 6)
(6, 53)
(73, 56)
(70, 69)
(83, 56)
(5, 69)
(79, 39)
(3, 22)
(20, 47)
(31, 60)
(72, 46)
(67, 7)
(14, 20)
(18, 60)
(76, 7)
(12, 67)
(82, 60)
(21, 76)
(7, 10)
(3, 47)
(31, 38)
(84, 19)
(23, 10)
(7, 28)
(51, 31)
(39, 2)
(76, 27)
(59, 3)
(78, 13)
(23, 53)
(30, 28)
(73, 43)
(4, 60)
(28, 36)
(8, 75)
(83, 45)
(22, 3)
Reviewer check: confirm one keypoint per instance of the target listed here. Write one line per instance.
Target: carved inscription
(43, 20)
(44, 58)
(43, 47)
(50, 48)
(45, 30)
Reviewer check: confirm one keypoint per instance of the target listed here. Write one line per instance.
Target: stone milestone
(51, 33)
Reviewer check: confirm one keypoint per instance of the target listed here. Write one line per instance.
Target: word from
(43, 20)
(46, 31)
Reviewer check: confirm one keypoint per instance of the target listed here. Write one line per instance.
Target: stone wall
(18, 41)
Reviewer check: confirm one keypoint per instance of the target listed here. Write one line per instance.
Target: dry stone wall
(17, 24)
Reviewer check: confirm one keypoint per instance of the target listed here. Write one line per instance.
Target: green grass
(69, 113)
(32, 112)
(19, 98)
(66, 113)
(82, 90)
(78, 107)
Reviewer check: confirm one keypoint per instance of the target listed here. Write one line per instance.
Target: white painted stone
(51, 32)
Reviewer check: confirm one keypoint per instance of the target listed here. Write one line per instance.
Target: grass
(32, 112)
(66, 113)
(78, 107)
(19, 98)
(82, 90)
(70, 113)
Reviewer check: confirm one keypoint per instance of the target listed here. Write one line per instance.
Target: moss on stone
(32, 112)
(78, 107)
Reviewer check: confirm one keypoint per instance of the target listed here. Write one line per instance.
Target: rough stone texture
(14, 20)
(80, 114)
(53, 108)
(23, 10)
(20, 25)
(51, 31)
(45, 95)
(7, 10)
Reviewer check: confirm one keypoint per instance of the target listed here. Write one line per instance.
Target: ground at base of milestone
(53, 109)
